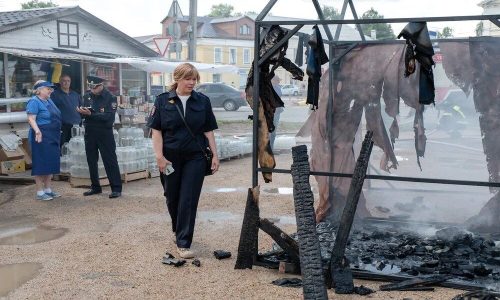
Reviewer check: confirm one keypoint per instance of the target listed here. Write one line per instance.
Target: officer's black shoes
(115, 195)
(91, 192)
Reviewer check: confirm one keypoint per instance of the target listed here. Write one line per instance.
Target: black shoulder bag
(207, 152)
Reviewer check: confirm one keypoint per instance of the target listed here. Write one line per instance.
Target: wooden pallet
(61, 177)
(103, 181)
(135, 176)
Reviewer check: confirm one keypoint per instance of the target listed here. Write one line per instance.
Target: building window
(216, 78)
(217, 55)
(67, 34)
(246, 56)
(245, 29)
(232, 56)
(134, 81)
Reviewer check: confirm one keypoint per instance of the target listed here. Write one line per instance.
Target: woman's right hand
(38, 136)
(162, 163)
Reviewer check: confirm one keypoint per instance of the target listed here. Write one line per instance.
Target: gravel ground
(113, 247)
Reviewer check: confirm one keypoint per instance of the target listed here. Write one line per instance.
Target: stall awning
(159, 65)
(39, 53)
(148, 64)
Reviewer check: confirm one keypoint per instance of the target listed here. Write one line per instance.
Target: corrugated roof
(12, 17)
(228, 19)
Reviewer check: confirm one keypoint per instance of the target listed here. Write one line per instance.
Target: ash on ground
(467, 257)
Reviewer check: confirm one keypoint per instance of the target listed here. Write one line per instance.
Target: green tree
(221, 11)
(38, 4)
(383, 30)
(446, 33)
(479, 28)
(330, 13)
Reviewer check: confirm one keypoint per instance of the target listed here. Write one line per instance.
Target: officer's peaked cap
(94, 80)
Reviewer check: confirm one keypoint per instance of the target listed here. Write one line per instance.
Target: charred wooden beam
(247, 248)
(309, 248)
(340, 271)
(480, 295)
(281, 238)
(414, 282)
(368, 275)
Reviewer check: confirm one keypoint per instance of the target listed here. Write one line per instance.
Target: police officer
(175, 148)
(98, 113)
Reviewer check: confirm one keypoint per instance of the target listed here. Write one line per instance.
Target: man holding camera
(98, 113)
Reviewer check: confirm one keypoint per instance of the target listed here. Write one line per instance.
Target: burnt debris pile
(460, 255)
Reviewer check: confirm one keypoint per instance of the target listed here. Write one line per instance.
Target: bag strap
(189, 129)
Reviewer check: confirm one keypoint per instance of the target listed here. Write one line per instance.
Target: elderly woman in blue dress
(44, 137)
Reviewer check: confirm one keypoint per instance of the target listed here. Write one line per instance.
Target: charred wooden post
(340, 271)
(286, 243)
(247, 248)
(309, 248)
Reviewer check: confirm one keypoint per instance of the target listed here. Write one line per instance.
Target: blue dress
(46, 154)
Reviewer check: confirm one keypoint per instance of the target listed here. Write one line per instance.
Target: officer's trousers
(182, 190)
(101, 140)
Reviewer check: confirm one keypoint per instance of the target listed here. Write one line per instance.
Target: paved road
(292, 113)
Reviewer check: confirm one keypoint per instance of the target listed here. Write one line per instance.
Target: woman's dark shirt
(176, 137)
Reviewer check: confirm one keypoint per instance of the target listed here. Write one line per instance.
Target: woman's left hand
(215, 164)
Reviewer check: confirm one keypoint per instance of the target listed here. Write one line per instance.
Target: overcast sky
(142, 17)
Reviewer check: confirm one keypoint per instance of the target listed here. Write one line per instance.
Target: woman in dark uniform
(44, 137)
(176, 148)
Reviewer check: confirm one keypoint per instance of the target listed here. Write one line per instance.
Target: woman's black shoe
(115, 195)
(91, 192)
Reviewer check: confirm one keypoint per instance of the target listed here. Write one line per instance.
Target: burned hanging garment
(269, 99)
(316, 56)
(419, 48)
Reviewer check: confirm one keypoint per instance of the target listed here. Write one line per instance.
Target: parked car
(290, 90)
(223, 95)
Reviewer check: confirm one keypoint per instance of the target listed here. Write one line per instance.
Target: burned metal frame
(332, 42)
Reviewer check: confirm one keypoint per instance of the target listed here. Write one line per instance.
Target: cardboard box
(26, 146)
(12, 166)
(10, 155)
(27, 158)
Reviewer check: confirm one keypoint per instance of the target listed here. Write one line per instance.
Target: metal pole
(256, 80)
(193, 11)
(6, 75)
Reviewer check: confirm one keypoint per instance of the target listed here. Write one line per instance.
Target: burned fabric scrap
(196, 262)
(269, 99)
(221, 254)
(363, 290)
(170, 260)
(288, 282)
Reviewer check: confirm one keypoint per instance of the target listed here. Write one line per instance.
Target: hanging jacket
(419, 47)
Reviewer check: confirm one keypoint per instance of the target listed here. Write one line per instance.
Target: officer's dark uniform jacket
(104, 108)
(176, 137)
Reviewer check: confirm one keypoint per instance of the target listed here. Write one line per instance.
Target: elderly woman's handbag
(207, 152)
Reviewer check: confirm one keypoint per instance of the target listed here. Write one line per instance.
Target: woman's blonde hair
(184, 71)
(37, 91)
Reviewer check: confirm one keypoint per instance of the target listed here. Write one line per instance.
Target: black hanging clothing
(299, 57)
(316, 56)
(419, 47)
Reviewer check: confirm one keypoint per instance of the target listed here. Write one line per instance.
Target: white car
(290, 90)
